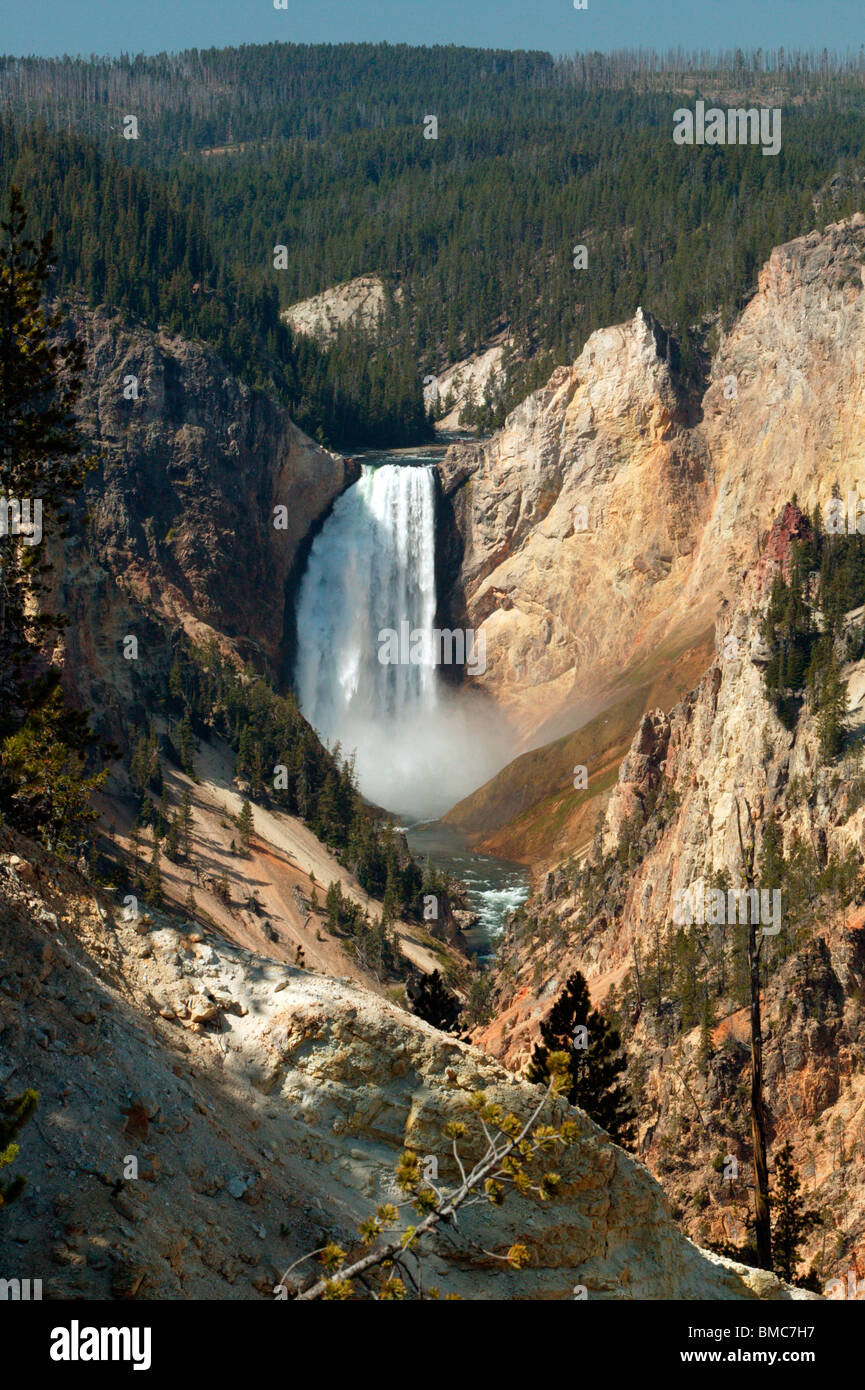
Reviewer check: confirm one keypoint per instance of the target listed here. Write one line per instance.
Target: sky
(53, 27)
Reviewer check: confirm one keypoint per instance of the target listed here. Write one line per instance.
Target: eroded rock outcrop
(561, 556)
(358, 303)
(462, 384)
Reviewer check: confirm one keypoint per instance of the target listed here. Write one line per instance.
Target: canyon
(300, 1086)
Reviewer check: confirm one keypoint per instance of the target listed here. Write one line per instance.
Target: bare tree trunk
(637, 972)
(762, 1213)
(658, 960)
(758, 1120)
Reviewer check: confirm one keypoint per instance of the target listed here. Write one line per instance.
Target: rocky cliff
(358, 303)
(719, 759)
(184, 527)
(462, 383)
(604, 524)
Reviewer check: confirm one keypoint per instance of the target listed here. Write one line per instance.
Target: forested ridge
(321, 149)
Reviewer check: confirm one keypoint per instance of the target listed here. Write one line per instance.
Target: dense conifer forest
(322, 149)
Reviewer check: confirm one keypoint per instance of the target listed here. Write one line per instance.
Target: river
(494, 887)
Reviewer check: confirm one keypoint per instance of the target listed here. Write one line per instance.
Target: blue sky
(51, 27)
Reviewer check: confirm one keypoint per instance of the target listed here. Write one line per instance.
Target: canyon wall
(719, 759)
(599, 530)
(176, 529)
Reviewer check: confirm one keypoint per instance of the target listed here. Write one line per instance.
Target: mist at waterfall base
(420, 744)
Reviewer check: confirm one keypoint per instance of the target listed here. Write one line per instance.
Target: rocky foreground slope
(207, 1116)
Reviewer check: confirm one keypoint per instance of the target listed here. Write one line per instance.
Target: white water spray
(420, 746)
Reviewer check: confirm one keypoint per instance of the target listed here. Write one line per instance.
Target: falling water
(419, 746)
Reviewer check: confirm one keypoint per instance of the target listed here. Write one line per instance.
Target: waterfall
(372, 565)
(371, 569)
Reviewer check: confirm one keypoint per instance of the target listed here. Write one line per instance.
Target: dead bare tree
(762, 1216)
(512, 1145)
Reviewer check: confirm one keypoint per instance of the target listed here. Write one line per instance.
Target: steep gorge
(193, 526)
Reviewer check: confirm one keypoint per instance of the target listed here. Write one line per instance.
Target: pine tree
(172, 843)
(793, 1220)
(154, 874)
(773, 867)
(707, 1026)
(327, 820)
(256, 773)
(175, 681)
(43, 742)
(432, 1001)
(685, 978)
(333, 905)
(391, 901)
(245, 826)
(832, 709)
(14, 1114)
(139, 765)
(186, 745)
(186, 822)
(595, 1063)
